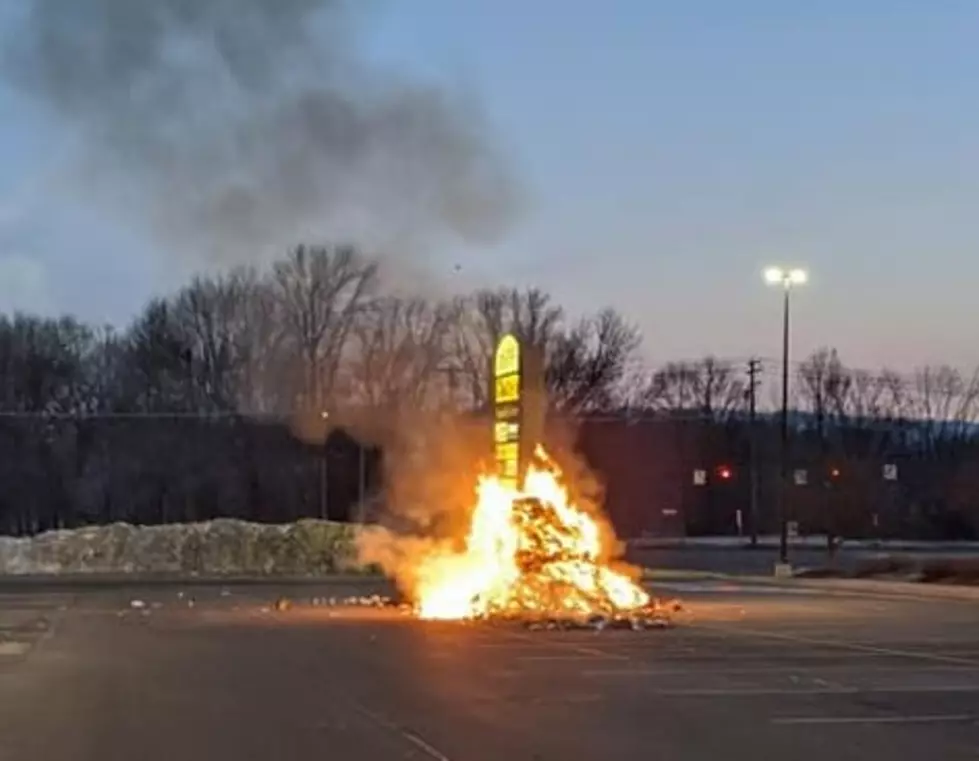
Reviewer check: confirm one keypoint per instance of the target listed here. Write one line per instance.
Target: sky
(666, 153)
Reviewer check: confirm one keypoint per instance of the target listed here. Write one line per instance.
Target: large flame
(528, 552)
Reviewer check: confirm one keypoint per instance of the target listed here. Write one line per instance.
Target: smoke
(234, 127)
(432, 466)
(400, 556)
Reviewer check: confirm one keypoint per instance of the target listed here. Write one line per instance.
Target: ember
(529, 553)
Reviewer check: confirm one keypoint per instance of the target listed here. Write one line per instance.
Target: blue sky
(667, 153)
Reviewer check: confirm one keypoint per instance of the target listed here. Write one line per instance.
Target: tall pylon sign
(518, 406)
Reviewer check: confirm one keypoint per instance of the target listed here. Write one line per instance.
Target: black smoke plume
(229, 127)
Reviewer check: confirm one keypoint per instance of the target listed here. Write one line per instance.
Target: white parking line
(420, 743)
(821, 720)
(557, 646)
(807, 671)
(838, 690)
(14, 648)
(851, 646)
(574, 657)
(424, 746)
(728, 588)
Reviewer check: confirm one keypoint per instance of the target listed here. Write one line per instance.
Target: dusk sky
(666, 152)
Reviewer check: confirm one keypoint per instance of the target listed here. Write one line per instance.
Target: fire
(529, 551)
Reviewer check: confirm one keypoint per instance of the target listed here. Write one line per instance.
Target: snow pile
(219, 547)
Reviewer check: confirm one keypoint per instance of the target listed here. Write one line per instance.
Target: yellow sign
(507, 451)
(506, 432)
(506, 401)
(507, 459)
(507, 389)
(507, 412)
(507, 360)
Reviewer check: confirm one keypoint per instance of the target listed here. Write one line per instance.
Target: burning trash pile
(532, 555)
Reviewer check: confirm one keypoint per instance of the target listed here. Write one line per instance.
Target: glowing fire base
(531, 554)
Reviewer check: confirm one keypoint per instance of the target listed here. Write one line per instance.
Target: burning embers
(531, 554)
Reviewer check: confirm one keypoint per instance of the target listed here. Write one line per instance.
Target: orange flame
(528, 551)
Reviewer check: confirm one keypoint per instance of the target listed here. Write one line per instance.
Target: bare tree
(587, 365)
(823, 383)
(42, 363)
(709, 387)
(944, 405)
(855, 413)
(398, 346)
(874, 397)
(159, 363)
(319, 292)
(44, 374)
(484, 317)
(209, 313)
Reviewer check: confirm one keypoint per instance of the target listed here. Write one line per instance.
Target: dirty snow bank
(219, 547)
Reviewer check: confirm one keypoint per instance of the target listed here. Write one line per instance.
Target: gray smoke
(234, 126)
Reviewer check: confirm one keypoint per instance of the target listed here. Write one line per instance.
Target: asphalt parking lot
(216, 673)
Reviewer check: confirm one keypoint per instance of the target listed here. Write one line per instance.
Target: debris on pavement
(656, 615)
(373, 601)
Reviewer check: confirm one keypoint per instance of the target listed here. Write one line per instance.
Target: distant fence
(676, 477)
(67, 471)
(662, 475)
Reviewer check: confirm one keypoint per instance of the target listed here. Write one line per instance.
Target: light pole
(786, 279)
(324, 468)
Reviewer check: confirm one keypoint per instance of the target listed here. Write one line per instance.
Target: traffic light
(724, 472)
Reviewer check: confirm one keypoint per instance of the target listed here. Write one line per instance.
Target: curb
(672, 574)
(871, 587)
(916, 589)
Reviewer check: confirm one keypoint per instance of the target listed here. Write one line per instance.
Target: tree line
(871, 454)
(231, 396)
(277, 392)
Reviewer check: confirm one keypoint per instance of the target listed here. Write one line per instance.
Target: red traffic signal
(724, 472)
(834, 472)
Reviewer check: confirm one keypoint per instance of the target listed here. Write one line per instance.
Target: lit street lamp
(786, 279)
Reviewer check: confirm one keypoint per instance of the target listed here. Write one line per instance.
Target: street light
(786, 279)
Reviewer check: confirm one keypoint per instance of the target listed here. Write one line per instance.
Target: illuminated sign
(506, 432)
(507, 360)
(506, 408)
(507, 389)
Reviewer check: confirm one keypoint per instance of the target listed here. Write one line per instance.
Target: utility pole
(324, 485)
(361, 482)
(325, 467)
(754, 368)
